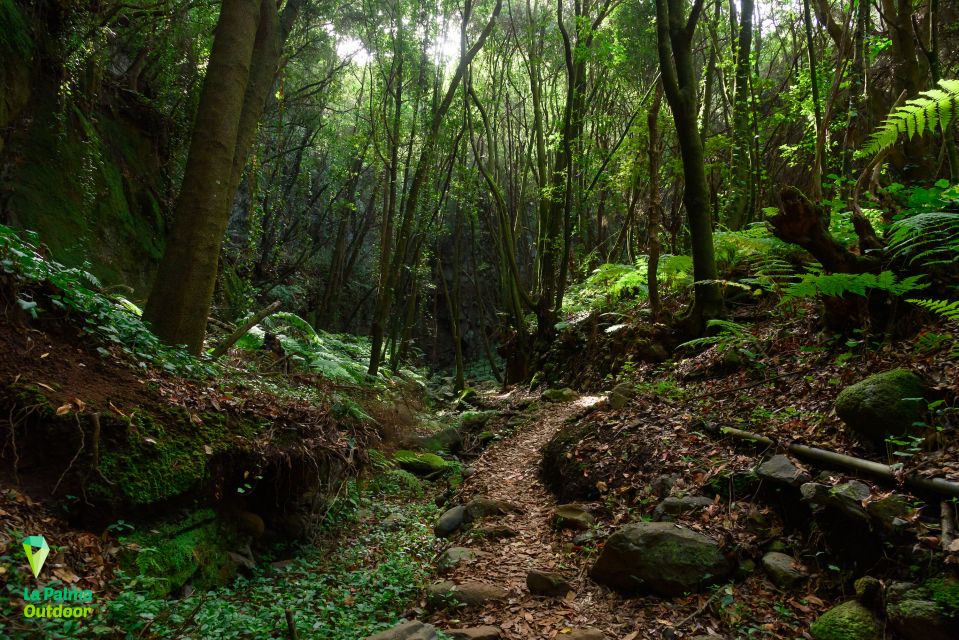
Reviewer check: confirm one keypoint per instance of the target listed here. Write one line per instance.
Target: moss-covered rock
(90, 185)
(449, 440)
(848, 621)
(167, 455)
(474, 420)
(883, 404)
(195, 549)
(559, 395)
(662, 558)
(422, 463)
(925, 612)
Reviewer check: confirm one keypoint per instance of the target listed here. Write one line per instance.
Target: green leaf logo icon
(38, 557)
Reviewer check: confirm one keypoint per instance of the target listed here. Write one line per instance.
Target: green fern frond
(838, 284)
(948, 309)
(931, 110)
(925, 238)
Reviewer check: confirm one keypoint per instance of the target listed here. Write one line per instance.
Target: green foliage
(934, 108)
(838, 284)
(14, 35)
(192, 549)
(349, 588)
(76, 293)
(945, 593)
(338, 357)
(948, 309)
(608, 284)
(397, 483)
(925, 239)
(726, 335)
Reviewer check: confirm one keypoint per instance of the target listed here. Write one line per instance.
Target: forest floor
(510, 471)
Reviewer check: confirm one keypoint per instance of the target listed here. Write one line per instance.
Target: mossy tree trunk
(674, 34)
(240, 74)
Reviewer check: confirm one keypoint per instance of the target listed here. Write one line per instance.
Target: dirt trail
(508, 470)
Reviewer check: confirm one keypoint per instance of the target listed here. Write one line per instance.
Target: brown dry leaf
(66, 575)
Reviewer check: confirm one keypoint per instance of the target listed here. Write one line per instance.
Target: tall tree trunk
(179, 303)
(674, 34)
(816, 177)
(655, 203)
(742, 170)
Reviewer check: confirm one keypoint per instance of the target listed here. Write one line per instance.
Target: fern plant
(948, 309)
(726, 335)
(925, 239)
(860, 284)
(932, 109)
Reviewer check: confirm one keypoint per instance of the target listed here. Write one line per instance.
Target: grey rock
(571, 516)
(412, 630)
(815, 493)
(781, 470)
(914, 614)
(559, 395)
(447, 593)
(662, 485)
(587, 536)
(660, 557)
(455, 556)
(450, 521)
(887, 510)
(484, 632)
(848, 498)
(547, 583)
(884, 404)
(621, 394)
(783, 570)
(674, 506)
(482, 507)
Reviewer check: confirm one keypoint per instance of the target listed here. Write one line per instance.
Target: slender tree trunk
(655, 204)
(179, 303)
(674, 39)
(816, 178)
(741, 174)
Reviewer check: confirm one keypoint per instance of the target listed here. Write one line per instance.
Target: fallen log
(243, 328)
(831, 459)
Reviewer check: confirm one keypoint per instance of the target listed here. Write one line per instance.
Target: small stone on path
(572, 516)
(412, 630)
(449, 522)
(484, 632)
(547, 583)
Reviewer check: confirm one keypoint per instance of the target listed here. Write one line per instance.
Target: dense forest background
(582, 319)
(437, 175)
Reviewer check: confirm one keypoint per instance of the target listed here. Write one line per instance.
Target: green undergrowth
(168, 455)
(351, 586)
(338, 357)
(47, 287)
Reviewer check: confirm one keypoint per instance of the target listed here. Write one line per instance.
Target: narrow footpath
(504, 549)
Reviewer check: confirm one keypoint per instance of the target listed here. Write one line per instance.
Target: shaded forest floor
(243, 445)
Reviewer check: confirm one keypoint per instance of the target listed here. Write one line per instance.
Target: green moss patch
(167, 457)
(193, 549)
